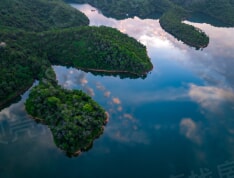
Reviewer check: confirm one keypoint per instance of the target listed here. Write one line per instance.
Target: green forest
(169, 12)
(26, 52)
(36, 34)
(96, 48)
(171, 22)
(20, 65)
(73, 117)
(39, 15)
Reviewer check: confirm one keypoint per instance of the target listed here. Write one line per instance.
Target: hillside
(39, 15)
(20, 66)
(96, 49)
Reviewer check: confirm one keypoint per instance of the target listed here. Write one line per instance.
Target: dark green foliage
(73, 117)
(24, 53)
(221, 10)
(171, 22)
(96, 48)
(39, 15)
(19, 68)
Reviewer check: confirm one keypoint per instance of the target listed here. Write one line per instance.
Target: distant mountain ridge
(222, 10)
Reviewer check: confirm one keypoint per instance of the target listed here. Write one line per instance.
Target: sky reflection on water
(177, 120)
(196, 87)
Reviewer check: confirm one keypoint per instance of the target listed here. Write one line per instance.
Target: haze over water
(179, 121)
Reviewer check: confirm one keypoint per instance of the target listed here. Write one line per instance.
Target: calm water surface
(177, 122)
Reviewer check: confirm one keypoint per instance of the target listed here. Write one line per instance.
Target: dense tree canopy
(26, 49)
(96, 48)
(39, 15)
(73, 117)
(171, 22)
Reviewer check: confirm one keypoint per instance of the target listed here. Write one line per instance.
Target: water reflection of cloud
(71, 78)
(190, 130)
(89, 91)
(210, 97)
(221, 39)
(126, 128)
(68, 84)
(79, 77)
(116, 100)
(120, 108)
(128, 135)
(107, 94)
(128, 116)
(16, 125)
(147, 31)
(213, 64)
(99, 86)
(165, 94)
(13, 112)
(83, 81)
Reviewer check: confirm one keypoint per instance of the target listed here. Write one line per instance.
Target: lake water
(177, 122)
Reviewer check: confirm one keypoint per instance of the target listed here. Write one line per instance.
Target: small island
(73, 117)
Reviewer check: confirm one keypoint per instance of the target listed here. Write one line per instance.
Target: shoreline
(107, 118)
(18, 93)
(114, 71)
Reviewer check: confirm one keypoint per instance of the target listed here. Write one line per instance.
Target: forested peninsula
(26, 51)
(36, 34)
(171, 14)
